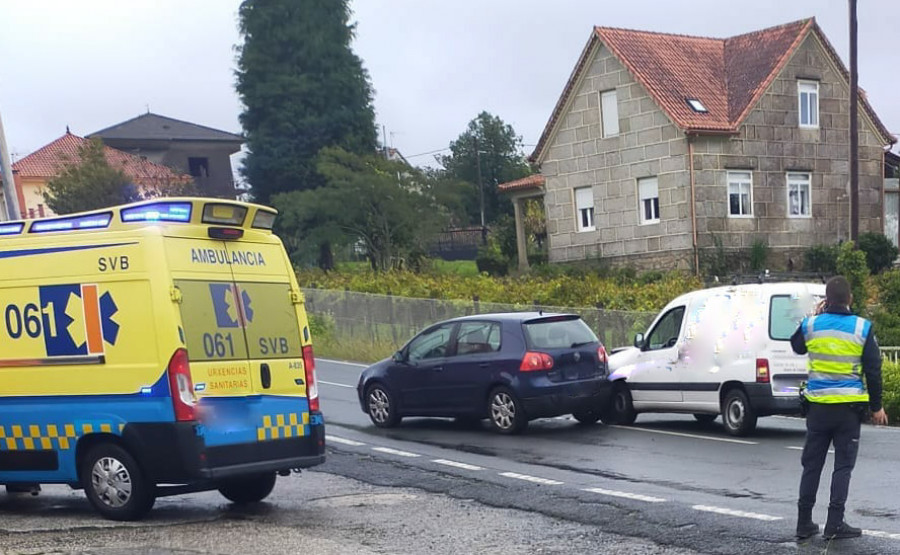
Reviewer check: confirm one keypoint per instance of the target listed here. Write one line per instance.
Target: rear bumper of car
(765, 403)
(559, 399)
(174, 452)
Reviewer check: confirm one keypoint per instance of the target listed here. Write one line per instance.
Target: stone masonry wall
(648, 144)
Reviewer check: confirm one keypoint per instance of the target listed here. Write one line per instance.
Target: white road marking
(626, 495)
(679, 434)
(343, 362)
(455, 464)
(878, 534)
(534, 479)
(397, 452)
(798, 448)
(343, 441)
(732, 512)
(337, 384)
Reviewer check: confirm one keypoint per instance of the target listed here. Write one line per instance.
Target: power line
(430, 152)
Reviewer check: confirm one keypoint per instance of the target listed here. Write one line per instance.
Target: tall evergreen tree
(303, 89)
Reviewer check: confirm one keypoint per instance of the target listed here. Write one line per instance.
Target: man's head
(837, 292)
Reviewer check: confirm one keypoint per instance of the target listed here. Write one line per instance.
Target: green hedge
(890, 371)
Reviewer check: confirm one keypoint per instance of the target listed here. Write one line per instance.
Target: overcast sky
(434, 64)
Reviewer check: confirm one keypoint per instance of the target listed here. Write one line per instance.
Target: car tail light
(312, 388)
(601, 354)
(181, 387)
(533, 361)
(762, 370)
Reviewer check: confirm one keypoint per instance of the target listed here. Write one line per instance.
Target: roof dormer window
(696, 105)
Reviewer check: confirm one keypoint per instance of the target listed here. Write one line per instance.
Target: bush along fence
(387, 319)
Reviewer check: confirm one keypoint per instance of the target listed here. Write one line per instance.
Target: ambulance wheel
(248, 489)
(114, 483)
(621, 408)
(737, 414)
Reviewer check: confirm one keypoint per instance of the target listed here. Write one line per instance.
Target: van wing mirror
(639, 340)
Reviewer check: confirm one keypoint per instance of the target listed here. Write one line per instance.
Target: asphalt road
(668, 479)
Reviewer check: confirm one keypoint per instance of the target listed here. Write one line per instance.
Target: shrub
(890, 373)
(821, 258)
(880, 251)
(759, 253)
(714, 261)
(851, 263)
(491, 260)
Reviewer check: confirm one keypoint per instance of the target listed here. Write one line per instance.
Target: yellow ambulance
(153, 349)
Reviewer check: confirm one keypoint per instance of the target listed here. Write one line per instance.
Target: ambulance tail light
(312, 387)
(181, 387)
(762, 370)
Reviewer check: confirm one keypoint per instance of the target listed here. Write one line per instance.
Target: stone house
(662, 146)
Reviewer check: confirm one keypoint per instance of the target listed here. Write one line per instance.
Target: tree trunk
(326, 256)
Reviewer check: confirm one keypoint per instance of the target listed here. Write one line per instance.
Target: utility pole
(9, 187)
(480, 190)
(854, 131)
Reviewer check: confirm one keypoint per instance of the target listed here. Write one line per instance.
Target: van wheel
(114, 483)
(620, 409)
(381, 406)
(586, 417)
(248, 489)
(737, 414)
(705, 418)
(505, 412)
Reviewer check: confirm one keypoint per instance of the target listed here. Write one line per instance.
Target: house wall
(771, 143)
(648, 144)
(220, 181)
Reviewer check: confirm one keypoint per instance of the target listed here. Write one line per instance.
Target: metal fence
(389, 319)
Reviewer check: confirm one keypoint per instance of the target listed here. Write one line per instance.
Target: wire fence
(381, 319)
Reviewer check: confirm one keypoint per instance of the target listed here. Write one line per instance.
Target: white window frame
(609, 113)
(799, 180)
(644, 196)
(584, 208)
(810, 89)
(736, 181)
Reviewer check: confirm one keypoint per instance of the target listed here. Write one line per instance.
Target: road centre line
(879, 534)
(337, 384)
(534, 479)
(679, 434)
(343, 441)
(732, 512)
(343, 362)
(397, 452)
(455, 464)
(626, 495)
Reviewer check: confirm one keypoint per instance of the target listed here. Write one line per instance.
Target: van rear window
(785, 314)
(558, 333)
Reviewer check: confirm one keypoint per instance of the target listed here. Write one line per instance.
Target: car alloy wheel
(381, 407)
(503, 410)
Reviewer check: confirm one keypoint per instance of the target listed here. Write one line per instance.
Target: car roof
(509, 316)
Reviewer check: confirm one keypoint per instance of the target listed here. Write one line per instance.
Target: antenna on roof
(67, 130)
(148, 107)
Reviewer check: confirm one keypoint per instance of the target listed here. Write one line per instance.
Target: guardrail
(891, 353)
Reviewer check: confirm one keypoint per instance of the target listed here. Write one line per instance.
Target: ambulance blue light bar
(12, 229)
(158, 212)
(73, 223)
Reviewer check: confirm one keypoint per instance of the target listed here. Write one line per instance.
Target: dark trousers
(826, 424)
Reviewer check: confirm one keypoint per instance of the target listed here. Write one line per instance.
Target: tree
(88, 182)
(492, 146)
(303, 89)
(368, 201)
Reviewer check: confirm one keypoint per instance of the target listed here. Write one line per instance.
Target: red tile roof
(535, 181)
(727, 75)
(49, 160)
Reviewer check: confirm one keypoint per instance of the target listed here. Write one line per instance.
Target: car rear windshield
(558, 333)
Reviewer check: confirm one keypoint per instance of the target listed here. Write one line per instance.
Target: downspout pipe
(690, 141)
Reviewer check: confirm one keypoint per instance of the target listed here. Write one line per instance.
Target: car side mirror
(639, 341)
(398, 356)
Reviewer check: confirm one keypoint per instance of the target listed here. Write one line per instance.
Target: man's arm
(798, 342)
(871, 363)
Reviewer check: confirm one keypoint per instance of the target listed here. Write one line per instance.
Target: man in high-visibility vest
(841, 348)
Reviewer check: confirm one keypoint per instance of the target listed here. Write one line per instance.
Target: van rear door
(787, 370)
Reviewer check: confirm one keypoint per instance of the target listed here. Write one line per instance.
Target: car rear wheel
(505, 411)
(248, 489)
(381, 407)
(621, 408)
(114, 483)
(589, 416)
(705, 418)
(737, 414)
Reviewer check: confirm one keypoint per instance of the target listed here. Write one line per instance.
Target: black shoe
(807, 529)
(842, 531)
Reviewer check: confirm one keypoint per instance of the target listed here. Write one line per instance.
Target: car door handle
(265, 376)
(484, 365)
(438, 368)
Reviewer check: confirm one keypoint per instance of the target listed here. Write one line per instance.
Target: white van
(716, 351)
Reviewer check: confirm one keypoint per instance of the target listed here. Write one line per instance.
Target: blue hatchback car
(509, 368)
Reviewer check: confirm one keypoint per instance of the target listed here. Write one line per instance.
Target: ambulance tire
(248, 489)
(107, 473)
(738, 415)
